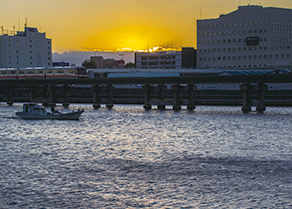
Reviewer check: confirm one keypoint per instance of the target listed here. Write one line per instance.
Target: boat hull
(62, 116)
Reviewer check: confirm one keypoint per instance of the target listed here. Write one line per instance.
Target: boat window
(49, 71)
(40, 71)
(21, 72)
(71, 71)
(12, 72)
(4, 72)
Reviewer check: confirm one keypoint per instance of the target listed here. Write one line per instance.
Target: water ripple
(214, 157)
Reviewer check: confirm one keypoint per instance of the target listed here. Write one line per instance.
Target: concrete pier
(261, 97)
(9, 95)
(109, 96)
(176, 97)
(52, 100)
(66, 96)
(147, 96)
(33, 90)
(191, 97)
(96, 99)
(246, 102)
(45, 95)
(161, 96)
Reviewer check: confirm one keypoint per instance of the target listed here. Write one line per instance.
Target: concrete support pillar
(45, 96)
(66, 96)
(176, 97)
(32, 90)
(109, 96)
(191, 96)
(147, 96)
(52, 100)
(96, 99)
(246, 102)
(9, 95)
(161, 96)
(261, 97)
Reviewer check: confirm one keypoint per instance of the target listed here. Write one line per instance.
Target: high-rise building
(250, 37)
(27, 48)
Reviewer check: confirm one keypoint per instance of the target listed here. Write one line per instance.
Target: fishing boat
(37, 112)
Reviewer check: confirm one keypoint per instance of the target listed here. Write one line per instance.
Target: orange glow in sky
(118, 24)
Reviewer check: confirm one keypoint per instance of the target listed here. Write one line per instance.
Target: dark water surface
(214, 157)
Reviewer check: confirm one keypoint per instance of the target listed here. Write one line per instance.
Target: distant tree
(130, 65)
(88, 63)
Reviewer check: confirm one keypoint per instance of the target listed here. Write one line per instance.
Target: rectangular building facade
(27, 48)
(102, 63)
(158, 60)
(250, 37)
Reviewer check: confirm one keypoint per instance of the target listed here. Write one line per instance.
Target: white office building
(159, 60)
(250, 37)
(27, 48)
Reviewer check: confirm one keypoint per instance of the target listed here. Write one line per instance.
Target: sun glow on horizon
(128, 49)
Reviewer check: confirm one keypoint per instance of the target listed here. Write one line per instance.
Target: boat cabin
(34, 108)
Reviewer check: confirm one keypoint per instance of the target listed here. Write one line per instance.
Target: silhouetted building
(189, 58)
(107, 63)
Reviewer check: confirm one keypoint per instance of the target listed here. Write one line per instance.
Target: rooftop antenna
(25, 24)
(18, 22)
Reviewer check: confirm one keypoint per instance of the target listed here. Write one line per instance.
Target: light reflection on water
(213, 157)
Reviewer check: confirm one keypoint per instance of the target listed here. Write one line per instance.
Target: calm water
(214, 157)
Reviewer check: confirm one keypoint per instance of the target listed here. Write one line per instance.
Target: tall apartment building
(167, 59)
(27, 48)
(250, 37)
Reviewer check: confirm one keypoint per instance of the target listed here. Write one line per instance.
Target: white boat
(36, 112)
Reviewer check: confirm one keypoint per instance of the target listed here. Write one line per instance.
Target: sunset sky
(116, 24)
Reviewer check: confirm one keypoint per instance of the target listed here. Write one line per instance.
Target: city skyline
(116, 24)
